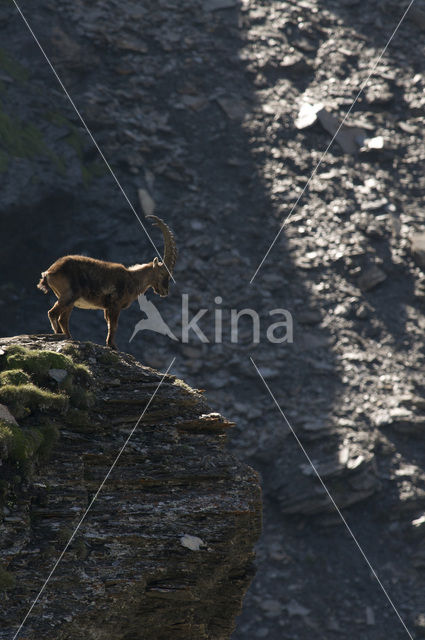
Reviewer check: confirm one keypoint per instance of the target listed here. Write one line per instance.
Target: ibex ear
(155, 262)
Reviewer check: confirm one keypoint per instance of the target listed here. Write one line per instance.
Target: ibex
(78, 281)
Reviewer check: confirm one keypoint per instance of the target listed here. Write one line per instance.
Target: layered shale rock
(166, 549)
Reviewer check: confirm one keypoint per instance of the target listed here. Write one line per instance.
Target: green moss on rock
(6, 437)
(33, 395)
(108, 357)
(14, 376)
(39, 363)
(23, 399)
(24, 444)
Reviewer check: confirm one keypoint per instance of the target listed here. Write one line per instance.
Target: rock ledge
(166, 550)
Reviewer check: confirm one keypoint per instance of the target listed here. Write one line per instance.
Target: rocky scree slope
(198, 107)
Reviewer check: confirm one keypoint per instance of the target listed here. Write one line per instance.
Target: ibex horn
(170, 248)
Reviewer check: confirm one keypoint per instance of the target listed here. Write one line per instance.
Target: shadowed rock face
(166, 550)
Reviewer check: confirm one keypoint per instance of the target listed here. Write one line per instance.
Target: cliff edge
(166, 549)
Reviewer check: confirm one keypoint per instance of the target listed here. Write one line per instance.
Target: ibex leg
(111, 317)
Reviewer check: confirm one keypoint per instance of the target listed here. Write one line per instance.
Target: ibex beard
(87, 283)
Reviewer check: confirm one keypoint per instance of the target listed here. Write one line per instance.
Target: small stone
(374, 205)
(375, 231)
(370, 616)
(379, 94)
(307, 115)
(296, 609)
(234, 108)
(420, 625)
(58, 374)
(350, 139)
(378, 142)
(192, 542)
(6, 415)
(418, 249)
(146, 202)
(272, 608)
(342, 310)
(362, 312)
(371, 278)
(418, 527)
(295, 63)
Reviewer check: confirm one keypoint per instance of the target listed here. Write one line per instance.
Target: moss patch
(26, 385)
(14, 376)
(23, 399)
(6, 436)
(21, 444)
(36, 399)
(39, 363)
(108, 357)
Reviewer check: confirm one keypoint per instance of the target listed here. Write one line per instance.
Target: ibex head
(162, 271)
